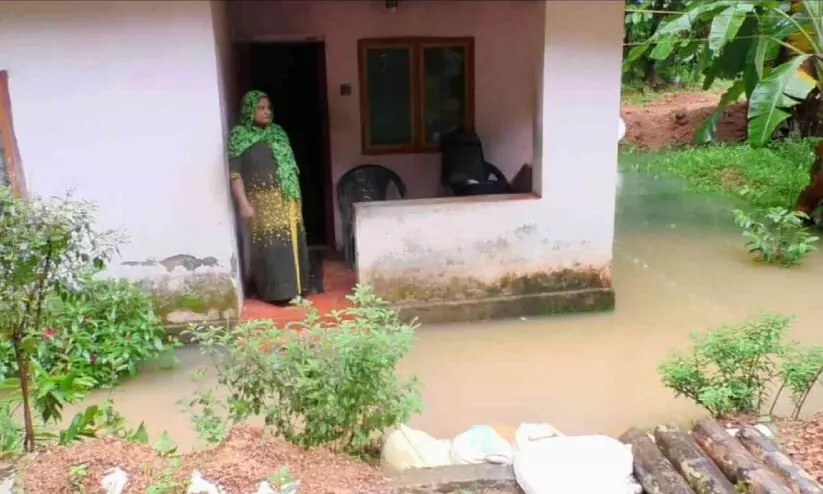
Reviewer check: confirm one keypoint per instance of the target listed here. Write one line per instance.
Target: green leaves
(726, 25)
(784, 87)
(728, 370)
(164, 445)
(776, 235)
(707, 130)
(329, 382)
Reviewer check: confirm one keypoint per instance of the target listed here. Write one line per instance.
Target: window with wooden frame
(9, 155)
(414, 90)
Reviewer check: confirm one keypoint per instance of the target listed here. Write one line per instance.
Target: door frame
(242, 78)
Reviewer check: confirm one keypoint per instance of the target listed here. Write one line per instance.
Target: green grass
(764, 177)
(635, 95)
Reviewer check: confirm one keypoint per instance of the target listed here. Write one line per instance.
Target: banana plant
(742, 41)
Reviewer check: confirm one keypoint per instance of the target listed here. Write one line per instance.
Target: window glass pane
(444, 85)
(388, 72)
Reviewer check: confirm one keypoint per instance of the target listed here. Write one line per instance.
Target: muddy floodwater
(679, 266)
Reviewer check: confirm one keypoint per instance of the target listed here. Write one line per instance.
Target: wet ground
(679, 266)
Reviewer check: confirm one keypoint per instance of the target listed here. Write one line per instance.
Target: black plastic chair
(464, 169)
(364, 183)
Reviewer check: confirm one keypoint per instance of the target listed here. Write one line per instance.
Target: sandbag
(481, 444)
(529, 432)
(576, 464)
(410, 448)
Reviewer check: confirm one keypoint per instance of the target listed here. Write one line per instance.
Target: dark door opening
(294, 76)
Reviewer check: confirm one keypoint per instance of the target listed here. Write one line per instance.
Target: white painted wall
(121, 101)
(572, 223)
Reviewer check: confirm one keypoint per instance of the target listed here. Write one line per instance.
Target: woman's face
(262, 115)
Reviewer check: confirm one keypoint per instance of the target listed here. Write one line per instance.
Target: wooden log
(654, 472)
(692, 463)
(765, 450)
(735, 461)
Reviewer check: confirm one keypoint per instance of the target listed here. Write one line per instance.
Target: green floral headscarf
(246, 134)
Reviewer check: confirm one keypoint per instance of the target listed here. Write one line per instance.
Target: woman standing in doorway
(264, 179)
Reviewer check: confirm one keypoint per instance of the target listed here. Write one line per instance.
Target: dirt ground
(672, 119)
(239, 464)
(801, 440)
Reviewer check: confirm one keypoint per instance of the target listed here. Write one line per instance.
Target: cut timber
(735, 460)
(655, 473)
(767, 451)
(691, 461)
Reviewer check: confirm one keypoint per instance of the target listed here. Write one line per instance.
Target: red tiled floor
(337, 281)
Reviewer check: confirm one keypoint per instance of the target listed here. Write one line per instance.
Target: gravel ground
(245, 459)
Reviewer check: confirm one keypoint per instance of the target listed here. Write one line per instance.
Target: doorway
(293, 74)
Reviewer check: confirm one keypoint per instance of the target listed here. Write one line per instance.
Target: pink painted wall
(508, 47)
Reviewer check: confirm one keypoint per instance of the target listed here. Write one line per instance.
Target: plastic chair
(364, 183)
(465, 171)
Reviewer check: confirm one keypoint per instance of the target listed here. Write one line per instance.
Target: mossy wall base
(198, 298)
(437, 300)
(493, 308)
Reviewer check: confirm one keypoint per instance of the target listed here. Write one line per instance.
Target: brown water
(679, 266)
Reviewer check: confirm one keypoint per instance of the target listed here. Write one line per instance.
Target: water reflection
(679, 266)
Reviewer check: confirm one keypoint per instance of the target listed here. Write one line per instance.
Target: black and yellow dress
(278, 254)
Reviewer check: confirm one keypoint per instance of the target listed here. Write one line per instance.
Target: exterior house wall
(507, 37)
(490, 257)
(120, 100)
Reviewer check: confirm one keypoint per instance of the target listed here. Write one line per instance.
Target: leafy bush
(729, 370)
(680, 64)
(102, 331)
(322, 382)
(800, 371)
(776, 235)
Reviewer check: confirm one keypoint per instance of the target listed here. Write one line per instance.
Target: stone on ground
(115, 481)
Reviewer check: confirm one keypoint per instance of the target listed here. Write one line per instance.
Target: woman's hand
(247, 212)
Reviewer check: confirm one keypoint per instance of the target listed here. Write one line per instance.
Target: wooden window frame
(11, 154)
(417, 101)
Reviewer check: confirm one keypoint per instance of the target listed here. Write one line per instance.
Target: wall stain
(148, 262)
(188, 262)
(233, 265)
(525, 230)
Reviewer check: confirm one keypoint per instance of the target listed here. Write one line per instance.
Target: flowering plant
(48, 247)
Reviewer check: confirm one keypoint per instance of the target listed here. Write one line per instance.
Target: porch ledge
(437, 201)
(508, 307)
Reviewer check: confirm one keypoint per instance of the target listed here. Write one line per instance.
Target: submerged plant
(777, 235)
(329, 381)
(730, 370)
(48, 248)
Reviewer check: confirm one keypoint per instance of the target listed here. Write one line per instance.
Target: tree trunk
(735, 461)
(691, 461)
(655, 473)
(767, 451)
(23, 371)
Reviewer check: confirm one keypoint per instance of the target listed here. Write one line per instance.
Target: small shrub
(323, 382)
(47, 247)
(800, 371)
(102, 331)
(730, 370)
(776, 235)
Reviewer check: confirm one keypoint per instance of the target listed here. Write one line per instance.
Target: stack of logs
(712, 461)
